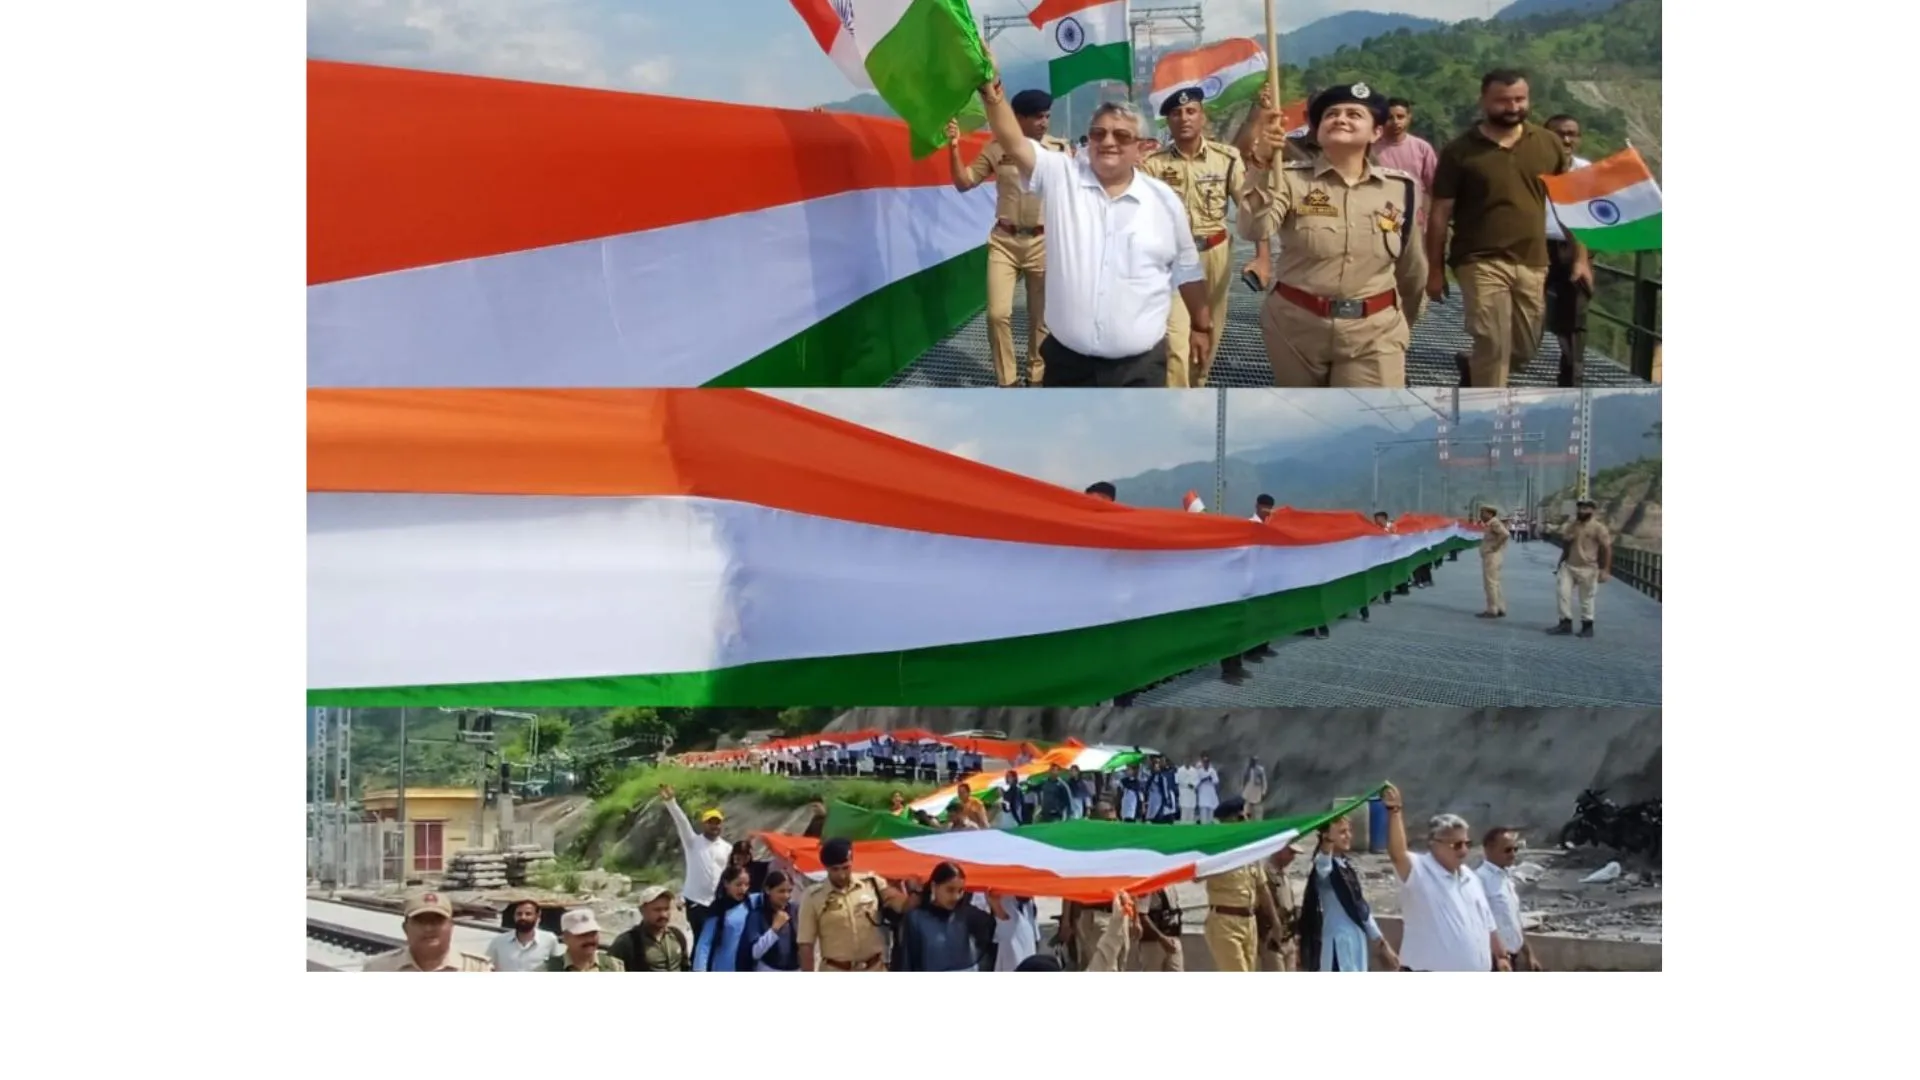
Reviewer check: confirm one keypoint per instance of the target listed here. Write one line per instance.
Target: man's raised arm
(1005, 126)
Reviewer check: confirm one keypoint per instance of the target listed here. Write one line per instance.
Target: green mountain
(1347, 29)
(1522, 9)
(1337, 471)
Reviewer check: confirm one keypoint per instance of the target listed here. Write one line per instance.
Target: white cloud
(557, 41)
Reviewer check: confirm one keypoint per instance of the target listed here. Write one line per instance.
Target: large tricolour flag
(1085, 861)
(1084, 41)
(468, 232)
(723, 547)
(1228, 72)
(923, 57)
(1612, 205)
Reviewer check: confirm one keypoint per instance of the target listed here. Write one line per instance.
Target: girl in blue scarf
(768, 939)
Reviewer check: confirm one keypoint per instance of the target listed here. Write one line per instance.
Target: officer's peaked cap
(836, 852)
(1356, 94)
(1191, 95)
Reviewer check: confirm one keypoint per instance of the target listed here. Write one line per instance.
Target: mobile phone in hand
(1253, 282)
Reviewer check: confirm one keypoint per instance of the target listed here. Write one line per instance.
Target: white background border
(153, 442)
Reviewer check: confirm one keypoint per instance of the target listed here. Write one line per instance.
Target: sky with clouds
(752, 51)
(1074, 437)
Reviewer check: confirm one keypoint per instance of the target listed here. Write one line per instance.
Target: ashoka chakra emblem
(1211, 88)
(1069, 36)
(1604, 211)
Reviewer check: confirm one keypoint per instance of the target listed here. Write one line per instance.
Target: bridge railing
(1642, 324)
(1637, 567)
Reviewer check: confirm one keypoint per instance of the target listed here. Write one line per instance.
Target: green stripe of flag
(1091, 64)
(1068, 667)
(1640, 234)
(927, 66)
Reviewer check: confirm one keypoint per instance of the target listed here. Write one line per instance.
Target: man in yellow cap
(707, 854)
(427, 921)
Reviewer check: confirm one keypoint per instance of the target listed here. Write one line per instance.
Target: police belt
(1239, 912)
(1208, 243)
(868, 964)
(1011, 229)
(1363, 308)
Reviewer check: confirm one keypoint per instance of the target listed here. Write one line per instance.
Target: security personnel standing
(1237, 903)
(1207, 175)
(842, 918)
(1493, 552)
(1351, 277)
(1586, 560)
(1017, 244)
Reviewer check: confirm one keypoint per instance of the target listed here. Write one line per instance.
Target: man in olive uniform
(1237, 903)
(1351, 273)
(842, 918)
(1493, 552)
(1017, 244)
(1278, 949)
(1206, 175)
(580, 933)
(1585, 562)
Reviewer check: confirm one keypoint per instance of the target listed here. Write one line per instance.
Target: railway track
(343, 936)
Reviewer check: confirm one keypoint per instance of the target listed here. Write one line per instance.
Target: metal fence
(1643, 323)
(1637, 567)
(355, 855)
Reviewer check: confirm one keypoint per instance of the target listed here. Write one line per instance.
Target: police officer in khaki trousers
(1017, 245)
(1237, 904)
(1493, 551)
(1207, 175)
(1351, 276)
(841, 919)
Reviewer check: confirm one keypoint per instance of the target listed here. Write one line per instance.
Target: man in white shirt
(1567, 299)
(707, 853)
(1500, 847)
(1253, 789)
(1118, 246)
(1446, 922)
(526, 947)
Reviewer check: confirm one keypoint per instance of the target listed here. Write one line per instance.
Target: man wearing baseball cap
(1586, 560)
(707, 856)
(580, 934)
(427, 921)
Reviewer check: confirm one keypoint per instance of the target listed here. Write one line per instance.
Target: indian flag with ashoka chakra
(468, 232)
(724, 547)
(1085, 860)
(1084, 41)
(1228, 72)
(1612, 205)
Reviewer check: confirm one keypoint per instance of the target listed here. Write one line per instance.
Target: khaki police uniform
(1206, 181)
(844, 925)
(402, 960)
(1350, 280)
(1016, 245)
(1581, 572)
(1286, 955)
(1232, 934)
(1493, 552)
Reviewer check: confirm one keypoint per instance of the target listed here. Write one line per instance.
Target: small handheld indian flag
(1228, 72)
(1193, 504)
(1612, 205)
(1084, 41)
(923, 57)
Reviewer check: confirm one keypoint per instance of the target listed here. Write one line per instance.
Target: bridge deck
(963, 359)
(1427, 648)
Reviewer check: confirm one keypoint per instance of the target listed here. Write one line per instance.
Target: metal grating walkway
(1427, 648)
(963, 359)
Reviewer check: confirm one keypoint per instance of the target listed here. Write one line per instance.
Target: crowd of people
(748, 914)
(1124, 246)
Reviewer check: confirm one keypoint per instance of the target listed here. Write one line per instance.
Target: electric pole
(1585, 428)
(400, 806)
(1220, 451)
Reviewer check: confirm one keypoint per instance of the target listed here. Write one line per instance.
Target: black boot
(1565, 627)
(1233, 672)
(1586, 628)
(1365, 615)
(1464, 366)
